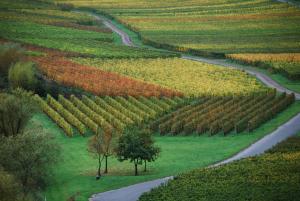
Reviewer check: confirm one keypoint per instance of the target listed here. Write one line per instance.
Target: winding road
(133, 192)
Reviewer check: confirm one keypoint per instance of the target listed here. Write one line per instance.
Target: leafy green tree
(100, 146)
(9, 187)
(16, 109)
(150, 152)
(29, 158)
(23, 75)
(136, 146)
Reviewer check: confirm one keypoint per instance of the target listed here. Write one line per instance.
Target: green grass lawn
(76, 171)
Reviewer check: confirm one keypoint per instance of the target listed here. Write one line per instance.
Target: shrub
(23, 75)
(10, 53)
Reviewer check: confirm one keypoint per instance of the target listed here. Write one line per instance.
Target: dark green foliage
(16, 110)
(23, 75)
(136, 146)
(9, 187)
(29, 157)
(10, 53)
(273, 176)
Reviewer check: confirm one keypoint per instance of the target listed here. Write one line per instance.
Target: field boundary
(289, 128)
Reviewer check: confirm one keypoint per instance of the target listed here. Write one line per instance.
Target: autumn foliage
(97, 81)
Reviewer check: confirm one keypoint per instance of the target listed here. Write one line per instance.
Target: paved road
(221, 62)
(125, 37)
(262, 77)
(133, 192)
(129, 193)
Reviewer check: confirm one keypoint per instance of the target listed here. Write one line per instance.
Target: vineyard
(241, 180)
(196, 78)
(177, 115)
(97, 81)
(183, 84)
(284, 63)
(46, 25)
(215, 115)
(221, 26)
(78, 115)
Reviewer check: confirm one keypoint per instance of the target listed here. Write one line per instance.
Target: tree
(23, 74)
(9, 187)
(10, 53)
(29, 158)
(136, 146)
(151, 152)
(100, 146)
(16, 109)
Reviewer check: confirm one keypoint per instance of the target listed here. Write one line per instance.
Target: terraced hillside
(215, 26)
(46, 25)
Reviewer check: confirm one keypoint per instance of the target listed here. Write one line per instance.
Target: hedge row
(132, 107)
(59, 120)
(116, 123)
(113, 111)
(91, 114)
(142, 106)
(68, 116)
(223, 114)
(123, 110)
(151, 105)
(77, 113)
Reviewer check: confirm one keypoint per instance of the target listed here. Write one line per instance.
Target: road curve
(133, 192)
(108, 23)
(262, 77)
(221, 62)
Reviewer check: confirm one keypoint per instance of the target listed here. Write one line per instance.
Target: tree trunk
(106, 165)
(136, 170)
(145, 169)
(99, 166)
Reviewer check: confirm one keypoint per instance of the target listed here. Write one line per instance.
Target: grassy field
(272, 176)
(220, 26)
(76, 171)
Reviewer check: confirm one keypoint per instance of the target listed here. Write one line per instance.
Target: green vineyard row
(223, 114)
(106, 113)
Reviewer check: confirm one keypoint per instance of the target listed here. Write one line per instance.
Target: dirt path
(133, 192)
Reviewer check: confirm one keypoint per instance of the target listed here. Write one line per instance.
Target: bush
(23, 75)
(15, 111)
(10, 53)
(29, 157)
